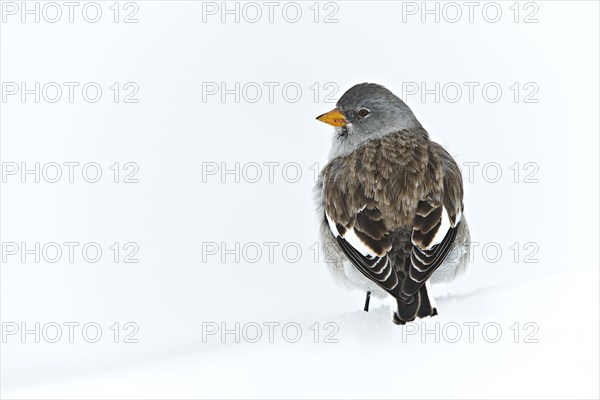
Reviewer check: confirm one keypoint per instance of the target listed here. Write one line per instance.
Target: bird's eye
(363, 112)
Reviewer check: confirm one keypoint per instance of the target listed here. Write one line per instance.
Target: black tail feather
(418, 305)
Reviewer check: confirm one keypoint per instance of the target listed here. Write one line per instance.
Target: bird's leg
(367, 301)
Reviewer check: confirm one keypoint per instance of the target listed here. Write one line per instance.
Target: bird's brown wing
(436, 222)
(368, 242)
(432, 238)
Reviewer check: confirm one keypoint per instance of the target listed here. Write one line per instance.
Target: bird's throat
(343, 132)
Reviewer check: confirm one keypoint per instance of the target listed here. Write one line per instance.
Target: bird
(390, 203)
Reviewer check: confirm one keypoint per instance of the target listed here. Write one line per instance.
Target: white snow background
(547, 311)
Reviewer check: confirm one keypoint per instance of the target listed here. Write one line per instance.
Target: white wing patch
(352, 239)
(457, 219)
(442, 230)
(332, 226)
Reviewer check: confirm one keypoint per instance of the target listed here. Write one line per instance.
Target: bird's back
(389, 177)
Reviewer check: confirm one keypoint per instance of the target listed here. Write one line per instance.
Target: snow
(374, 358)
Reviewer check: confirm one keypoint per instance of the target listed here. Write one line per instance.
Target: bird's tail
(419, 305)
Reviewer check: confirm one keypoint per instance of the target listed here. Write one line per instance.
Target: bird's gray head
(366, 111)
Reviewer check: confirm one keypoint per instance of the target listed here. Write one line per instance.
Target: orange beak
(333, 117)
